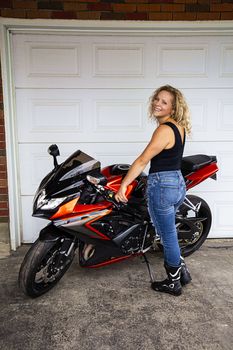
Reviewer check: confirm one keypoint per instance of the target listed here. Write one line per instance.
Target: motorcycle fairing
(82, 223)
(200, 175)
(67, 178)
(97, 223)
(102, 256)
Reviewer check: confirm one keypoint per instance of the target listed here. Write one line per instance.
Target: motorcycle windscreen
(77, 164)
(69, 175)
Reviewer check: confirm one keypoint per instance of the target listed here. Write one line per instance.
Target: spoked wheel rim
(188, 246)
(196, 236)
(47, 272)
(44, 265)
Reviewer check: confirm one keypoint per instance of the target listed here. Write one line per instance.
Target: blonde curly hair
(181, 111)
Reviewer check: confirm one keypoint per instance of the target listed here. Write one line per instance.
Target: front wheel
(43, 266)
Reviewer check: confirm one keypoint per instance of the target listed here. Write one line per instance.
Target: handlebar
(109, 195)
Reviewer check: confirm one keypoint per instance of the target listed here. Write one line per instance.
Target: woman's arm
(160, 139)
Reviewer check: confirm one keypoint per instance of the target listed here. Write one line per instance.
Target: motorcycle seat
(192, 163)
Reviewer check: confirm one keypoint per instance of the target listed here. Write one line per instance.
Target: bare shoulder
(163, 130)
(161, 136)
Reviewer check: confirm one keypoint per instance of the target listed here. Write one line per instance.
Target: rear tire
(39, 272)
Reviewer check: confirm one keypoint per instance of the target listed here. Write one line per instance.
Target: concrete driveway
(114, 308)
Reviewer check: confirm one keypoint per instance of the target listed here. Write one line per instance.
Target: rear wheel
(43, 266)
(202, 221)
(200, 224)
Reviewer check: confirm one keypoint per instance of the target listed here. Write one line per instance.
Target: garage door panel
(173, 58)
(79, 61)
(57, 116)
(68, 63)
(46, 115)
(225, 113)
(221, 209)
(124, 60)
(124, 119)
(37, 58)
(211, 111)
(112, 115)
(140, 61)
(226, 61)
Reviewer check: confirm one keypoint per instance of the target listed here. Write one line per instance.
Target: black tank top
(169, 159)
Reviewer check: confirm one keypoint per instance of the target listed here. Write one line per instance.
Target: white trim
(73, 27)
(11, 142)
(117, 27)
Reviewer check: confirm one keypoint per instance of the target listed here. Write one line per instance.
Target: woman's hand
(120, 195)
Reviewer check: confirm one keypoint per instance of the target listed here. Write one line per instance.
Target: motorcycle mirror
(93, 180)
(53, 150)
(99, 179)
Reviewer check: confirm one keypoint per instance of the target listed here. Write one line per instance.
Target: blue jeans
(165, 192)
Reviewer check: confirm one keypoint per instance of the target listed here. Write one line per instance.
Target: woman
(165, 186)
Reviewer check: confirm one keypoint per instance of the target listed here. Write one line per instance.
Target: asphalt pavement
(114, 308)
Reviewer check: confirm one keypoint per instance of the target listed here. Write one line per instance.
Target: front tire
(40, 270)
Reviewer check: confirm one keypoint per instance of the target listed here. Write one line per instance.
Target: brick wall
(190, 10)
(4, 214)
(153, 10)
(3, 173)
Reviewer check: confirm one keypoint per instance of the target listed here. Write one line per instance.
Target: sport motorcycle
(78, 198)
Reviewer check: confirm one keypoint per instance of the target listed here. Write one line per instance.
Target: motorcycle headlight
(48, 204)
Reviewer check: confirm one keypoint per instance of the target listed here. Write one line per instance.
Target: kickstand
(149, 267)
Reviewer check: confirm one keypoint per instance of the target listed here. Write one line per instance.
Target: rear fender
(202, 174)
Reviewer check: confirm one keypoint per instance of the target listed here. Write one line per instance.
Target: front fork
(66, 252)
(67, 247)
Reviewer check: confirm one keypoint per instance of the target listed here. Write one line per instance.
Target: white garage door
(91, 93)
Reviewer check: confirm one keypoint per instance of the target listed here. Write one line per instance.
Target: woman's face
(162, 104)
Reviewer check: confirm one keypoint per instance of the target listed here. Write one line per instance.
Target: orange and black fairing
(63, 182)
(114, 183)
(115, 173)
(80, 217)
(88, 219)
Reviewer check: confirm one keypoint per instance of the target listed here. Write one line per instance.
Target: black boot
(171, 284)
(185, 276)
